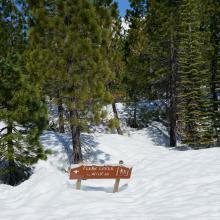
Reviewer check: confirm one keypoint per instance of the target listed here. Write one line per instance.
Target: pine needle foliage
(67, 42)
(194, 103)
(23, 113)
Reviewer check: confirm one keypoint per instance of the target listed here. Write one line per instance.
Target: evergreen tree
(22, 110)
(154, 33)
(194, 88)
(72, 49)
(114, 50)
(136, 56)
(162, 27)
(214, 28)
(173, 35)
(115, 54)
(46, 34)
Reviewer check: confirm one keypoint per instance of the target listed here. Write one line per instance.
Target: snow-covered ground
(166, 184)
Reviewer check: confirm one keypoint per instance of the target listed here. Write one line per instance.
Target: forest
(79, 56)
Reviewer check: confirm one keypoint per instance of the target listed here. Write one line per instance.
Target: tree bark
(61, 116)
(214, 92)
(213, 87)
(76, 143)
(116, 116)
(135, 125)
(214, 73)
(11, 163)
(173, 93)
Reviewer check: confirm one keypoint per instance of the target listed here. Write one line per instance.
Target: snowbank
(166, 184)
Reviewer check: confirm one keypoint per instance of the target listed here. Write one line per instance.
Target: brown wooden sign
(100, 172)
(117, 172)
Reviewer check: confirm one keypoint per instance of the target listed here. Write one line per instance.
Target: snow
(2, 125)
(165, 184)
(125, 25)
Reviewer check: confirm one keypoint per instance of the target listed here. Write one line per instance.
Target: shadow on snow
(91, 153)
(161, 138)
(104, 189)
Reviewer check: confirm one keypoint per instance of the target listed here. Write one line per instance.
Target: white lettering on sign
(98, 174)
(106, 168)
(90, 168)
(123, 172)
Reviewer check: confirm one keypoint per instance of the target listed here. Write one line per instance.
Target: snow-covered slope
(166, 184)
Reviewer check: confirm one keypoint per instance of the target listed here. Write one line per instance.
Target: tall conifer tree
(194, 88)
(73, 60)
(214, 25)
(162, 27)
(113, 49)
(22, 109)
(136, 55)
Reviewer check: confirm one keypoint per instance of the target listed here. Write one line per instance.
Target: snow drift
(165, 184)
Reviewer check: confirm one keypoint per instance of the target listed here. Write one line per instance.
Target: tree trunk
(75, 133)
(116, 116)
(214, 72)
(173, 94)
(134, 121)
(61, 116)
(214, 92)
(213, 87)
(11, 164)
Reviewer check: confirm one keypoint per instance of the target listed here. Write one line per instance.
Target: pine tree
(72, 50)
(113, 50)
(157, 23)
(214, 28)
(136, 56)
(194, 102)
(22, 110)
(162, 27)
(46, 34)
(173, 37)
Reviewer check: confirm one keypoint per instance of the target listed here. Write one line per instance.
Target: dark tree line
(172, 52)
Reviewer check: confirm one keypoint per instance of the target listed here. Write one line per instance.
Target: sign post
(117, 181)
(78, 184)
(117, 172)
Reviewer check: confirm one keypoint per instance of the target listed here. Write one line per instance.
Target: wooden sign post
(117, 181)
(117, 172)
(78, 184)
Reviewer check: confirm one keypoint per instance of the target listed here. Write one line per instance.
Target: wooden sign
(100, 172)
(81, 172)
